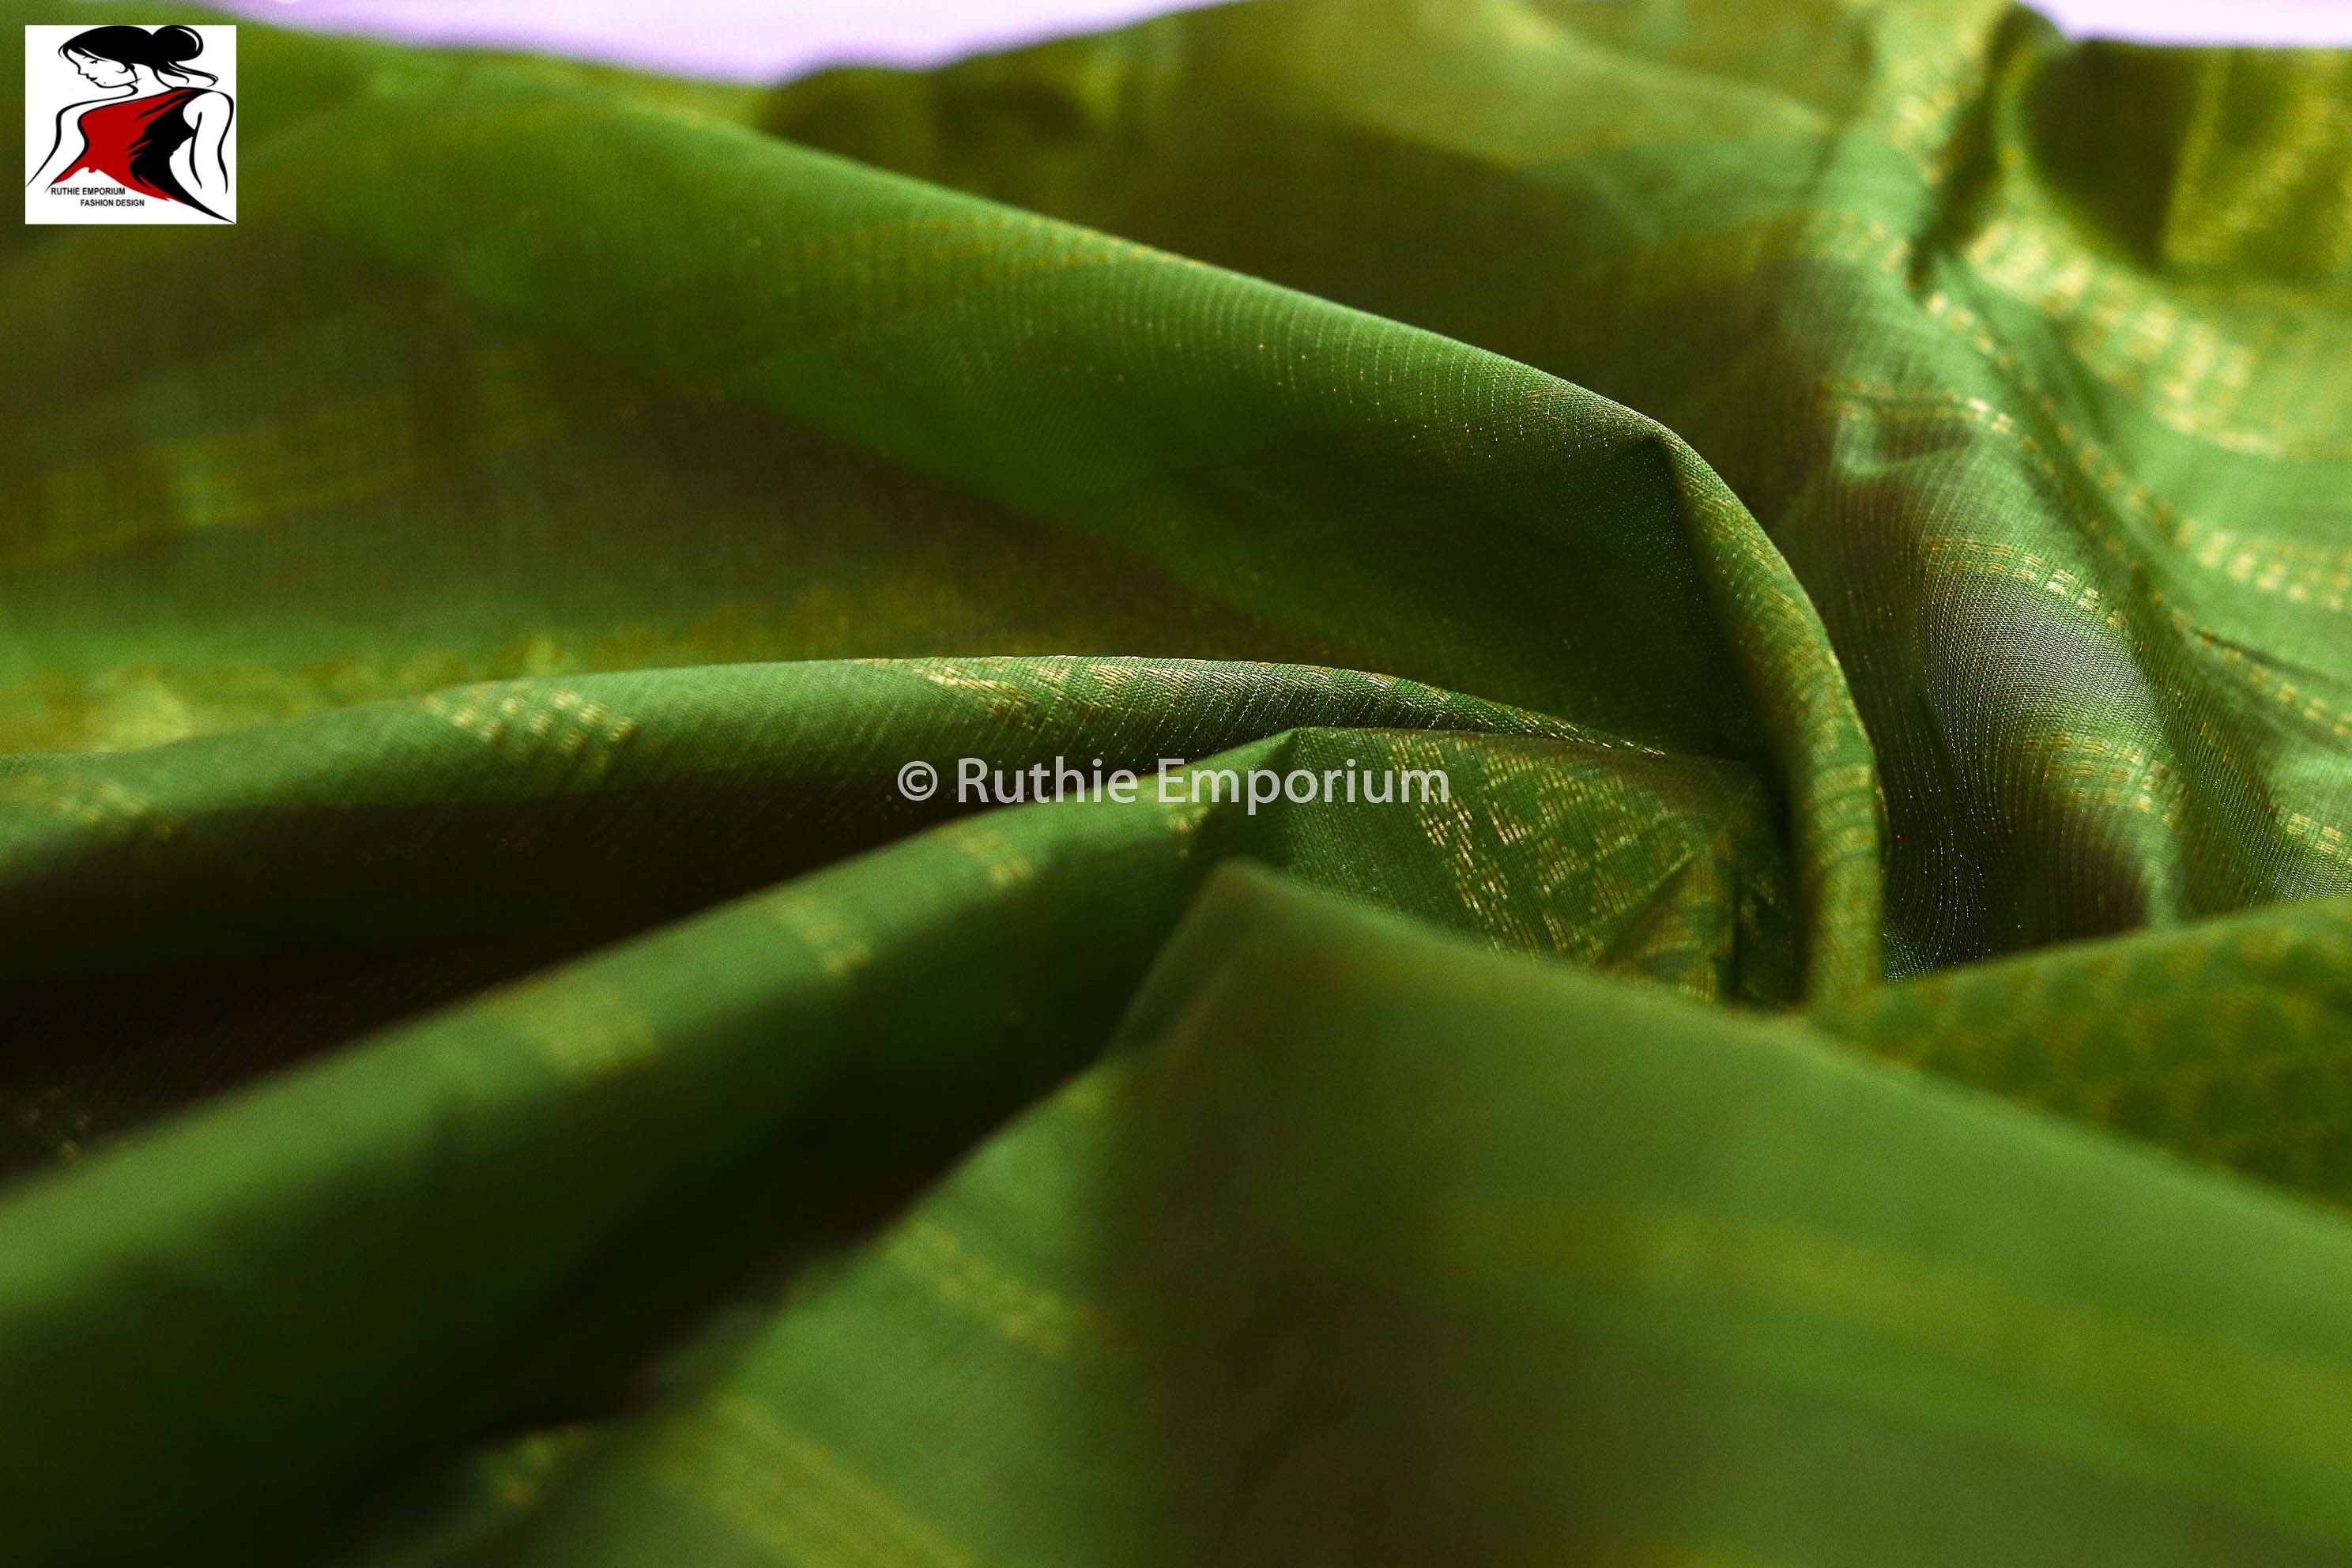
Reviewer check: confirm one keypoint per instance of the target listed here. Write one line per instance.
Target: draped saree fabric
(1852, 1069)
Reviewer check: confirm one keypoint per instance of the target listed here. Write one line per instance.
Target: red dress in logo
(115, 134)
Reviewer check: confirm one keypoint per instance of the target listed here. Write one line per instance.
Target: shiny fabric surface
(1854, 1067)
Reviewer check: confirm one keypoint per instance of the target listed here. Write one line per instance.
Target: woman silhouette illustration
(163, 137)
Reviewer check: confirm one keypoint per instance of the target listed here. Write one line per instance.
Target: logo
(122, 124)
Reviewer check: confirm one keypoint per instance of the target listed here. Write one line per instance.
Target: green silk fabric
(1856, 1073)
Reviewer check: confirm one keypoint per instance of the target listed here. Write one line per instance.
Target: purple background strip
(766, 40)
(740, 40)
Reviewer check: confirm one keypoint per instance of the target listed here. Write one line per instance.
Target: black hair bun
(178, 43)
